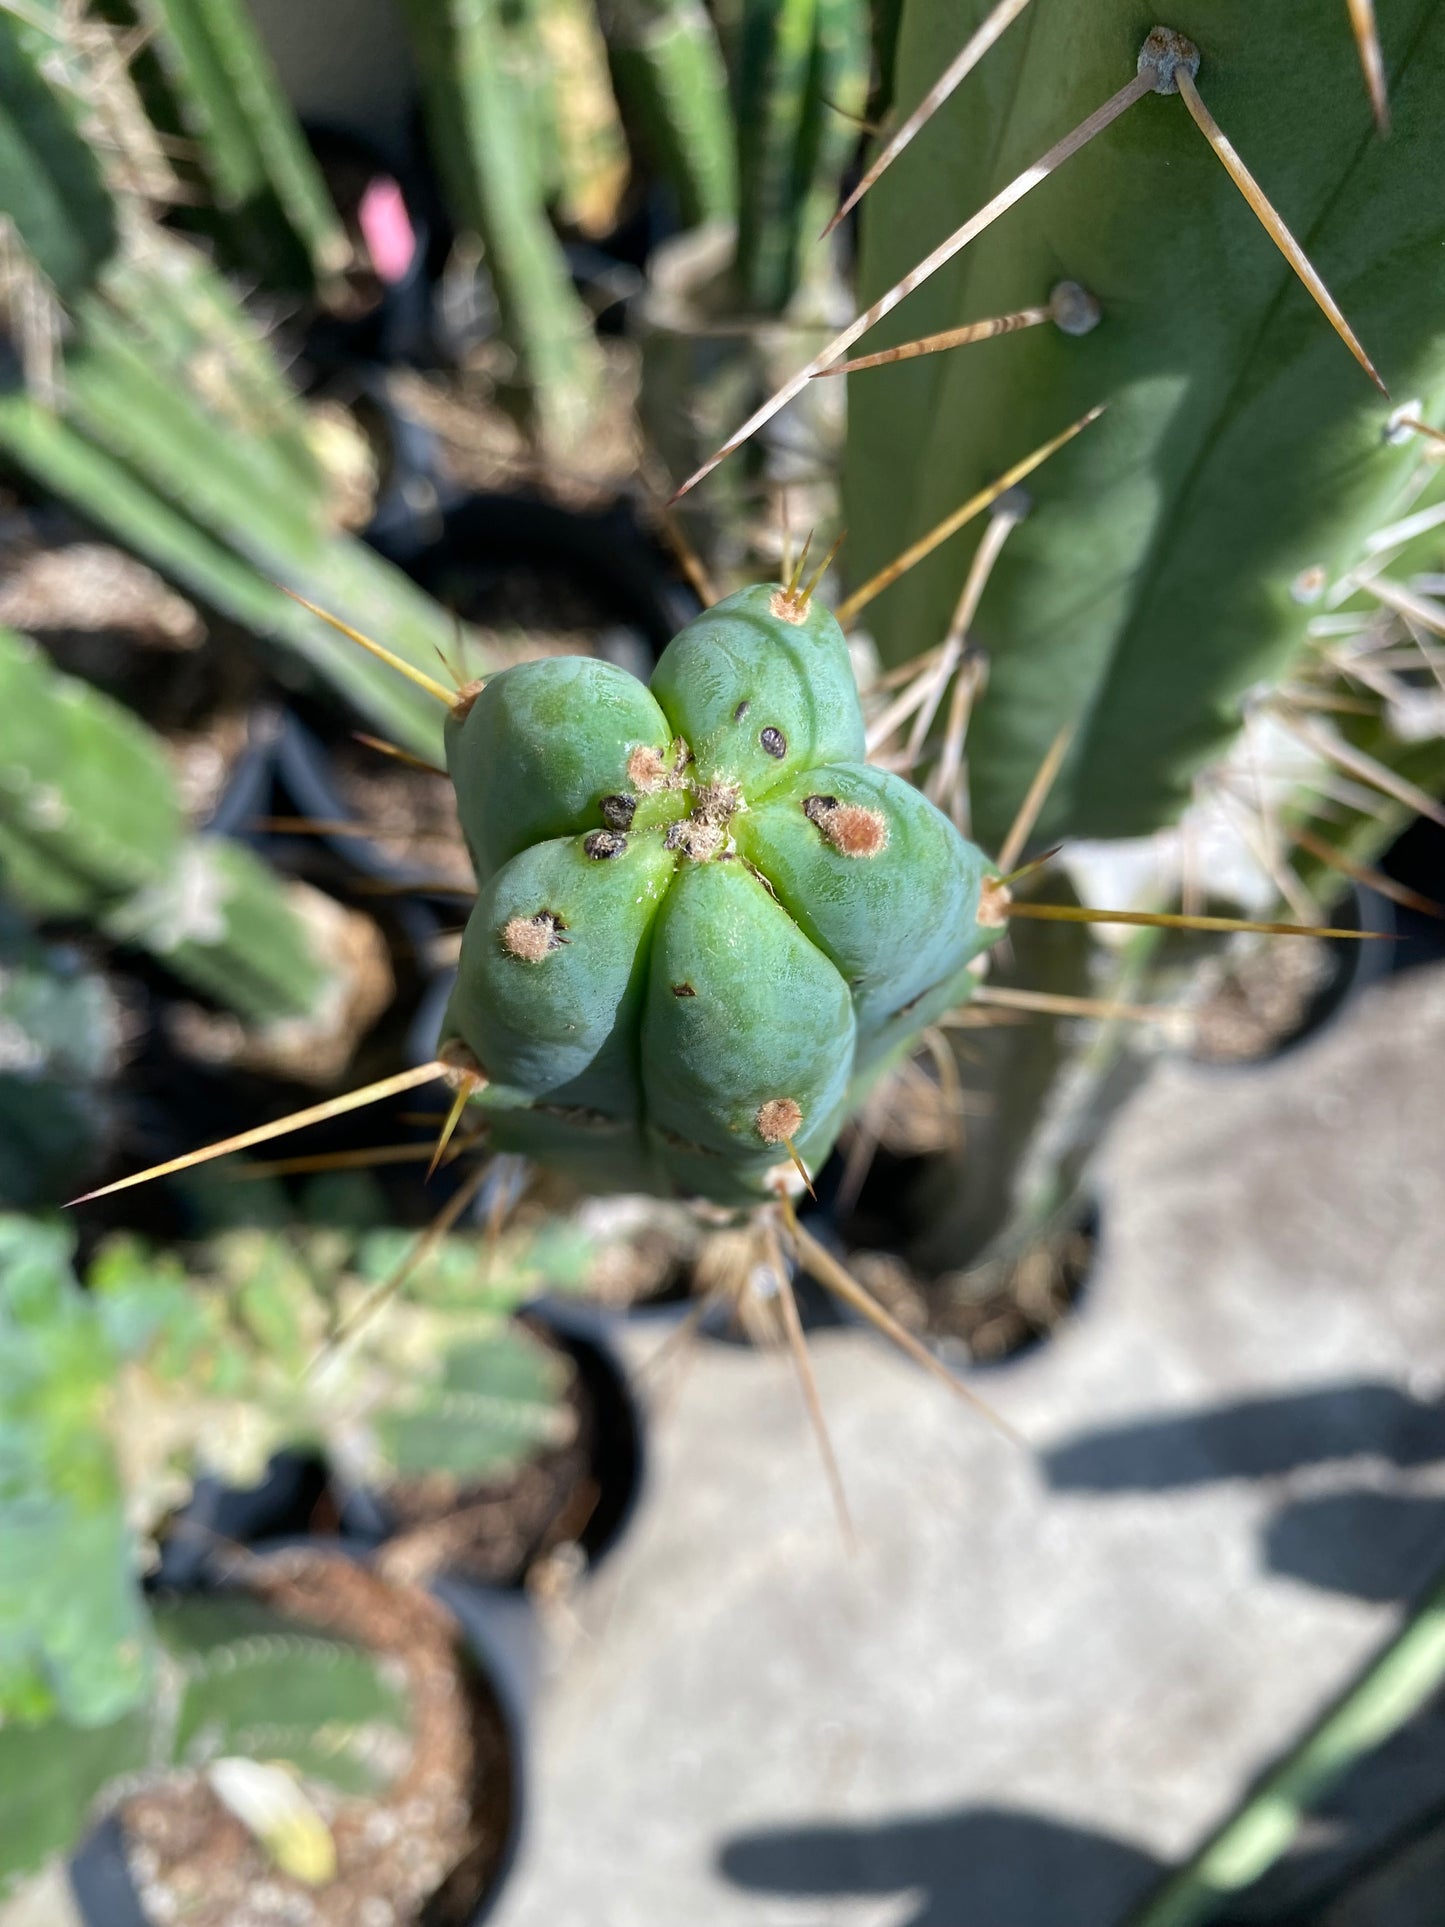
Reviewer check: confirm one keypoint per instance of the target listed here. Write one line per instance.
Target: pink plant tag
(386, 229)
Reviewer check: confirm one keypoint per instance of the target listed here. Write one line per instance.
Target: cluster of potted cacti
(714, 915)
(141, 1409)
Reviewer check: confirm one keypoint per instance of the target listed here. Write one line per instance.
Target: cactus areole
(704, 925)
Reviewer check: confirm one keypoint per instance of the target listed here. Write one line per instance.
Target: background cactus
(116, 1395)
(91, 827)
(802, 85)
(671, 77)
(1154, 584)
(478, 126)
(234, 1680)
(1180, 554)
(173, 428)
(55, 198)
(72, 1630)
(206, 76)
(734, 300)
(653, 864)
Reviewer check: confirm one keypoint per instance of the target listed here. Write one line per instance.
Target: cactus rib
(474, 123)
(669, 71)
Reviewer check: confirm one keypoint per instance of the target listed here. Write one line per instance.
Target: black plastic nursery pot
(388, 211)
(633, 599)
(1347, 968)
(594, 1511)
(310, 781)
(496, 1649)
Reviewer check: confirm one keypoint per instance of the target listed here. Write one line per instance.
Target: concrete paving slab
(1042, 1675)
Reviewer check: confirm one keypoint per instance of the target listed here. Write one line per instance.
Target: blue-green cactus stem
(549, 966)
(748, 1034)
(878, 879)
(757, 694)
(705, 923)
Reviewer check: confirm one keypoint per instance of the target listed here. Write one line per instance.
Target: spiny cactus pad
(704, 922)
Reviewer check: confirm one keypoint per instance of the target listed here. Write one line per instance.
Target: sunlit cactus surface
(704, 923)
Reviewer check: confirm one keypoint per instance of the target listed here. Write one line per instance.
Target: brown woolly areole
(466, 696)
(778, 1120)
(852, 828)
(993, 902)
(530, 939)
(462, 1064)
(788, 606)
(648, 769)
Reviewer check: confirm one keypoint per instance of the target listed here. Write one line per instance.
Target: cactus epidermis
(704, 922)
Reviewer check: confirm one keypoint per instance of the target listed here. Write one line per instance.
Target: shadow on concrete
(1377, 1545)
(1384, 1547)
(978, 1867)
(1252, 1439)
(992, 1867)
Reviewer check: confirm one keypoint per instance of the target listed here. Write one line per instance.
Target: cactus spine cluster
(704, 924)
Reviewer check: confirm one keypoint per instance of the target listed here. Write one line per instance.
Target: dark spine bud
(774, 742)
(618, 811)
(601, 844)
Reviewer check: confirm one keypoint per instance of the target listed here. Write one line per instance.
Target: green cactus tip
(703, 920)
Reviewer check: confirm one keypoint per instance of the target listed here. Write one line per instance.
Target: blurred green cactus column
(91, 827)
(480, 124)
(745, 295)
(670, 77)
(145, 396)
(1165, 570)
(208, 79)
(802, 82)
